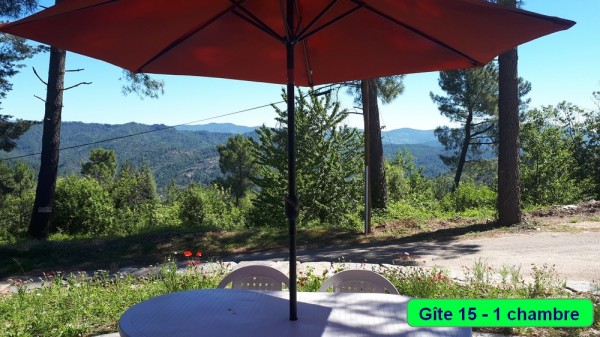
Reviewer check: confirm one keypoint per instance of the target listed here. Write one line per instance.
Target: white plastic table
(230, 312)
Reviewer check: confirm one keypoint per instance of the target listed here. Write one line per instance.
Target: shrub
(209, 208)
(408, 183)
(82, 207)
(14, 215)
(549, 165)
(470, 195)
(17, 192)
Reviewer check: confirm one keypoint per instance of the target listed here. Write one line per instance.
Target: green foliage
(406, 181)
(470, 195)
(407, 212)
(83, 305)
(142, 85)
(15, 214)
(12, 130)
(416, 197)
(423, 283)
(471, 100)
(238, 165)
(208, 208)
(7, 182)
(13, 51)
(548, 162)
(388, 88)
(136, 201)
(16, 200)
(82, 206)
(134, 188)
(101, 166)
(15, 8)
(587, 150)
(329, 165)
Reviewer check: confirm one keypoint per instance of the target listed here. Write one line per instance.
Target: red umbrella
(293, 42)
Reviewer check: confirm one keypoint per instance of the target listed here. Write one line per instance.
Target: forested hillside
(171, 154)
(183, 155)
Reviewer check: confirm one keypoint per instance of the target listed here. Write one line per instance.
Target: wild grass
(86, 305)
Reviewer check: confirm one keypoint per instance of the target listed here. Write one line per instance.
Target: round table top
(230, 312)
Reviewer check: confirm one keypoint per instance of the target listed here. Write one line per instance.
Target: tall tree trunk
(509, 190)
(463, 152)
(45, 192)
(379, 193)
(364, 87)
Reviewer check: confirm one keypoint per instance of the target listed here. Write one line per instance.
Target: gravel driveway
(576, 256)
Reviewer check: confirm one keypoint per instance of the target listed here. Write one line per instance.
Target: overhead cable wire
(146, 132)
(158, 129)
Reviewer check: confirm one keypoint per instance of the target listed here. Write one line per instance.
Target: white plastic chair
(358, 281)
(255, 277)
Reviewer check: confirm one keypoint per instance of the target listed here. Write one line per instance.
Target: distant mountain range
(397, 136)
(186, 154)
(218, 127)
(410, 136)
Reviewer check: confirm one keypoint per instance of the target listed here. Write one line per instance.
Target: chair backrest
(358, 281)
(255, 277)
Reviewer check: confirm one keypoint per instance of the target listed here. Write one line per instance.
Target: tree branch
(485, 121)
(486, 143)
(38, 76)
(41, 99)
(76, 85)
(74, 70)
(482, 131)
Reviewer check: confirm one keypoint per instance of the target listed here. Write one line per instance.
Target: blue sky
(561, 66)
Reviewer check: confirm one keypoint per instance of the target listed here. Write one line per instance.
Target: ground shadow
(36, 257)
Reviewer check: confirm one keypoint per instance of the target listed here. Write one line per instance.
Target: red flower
(198, 254)
(187, 253)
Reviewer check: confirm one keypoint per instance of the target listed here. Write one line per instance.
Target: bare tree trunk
(379, 193)
(463, 152)
(45, 192)
(364, 87)
(509, 190)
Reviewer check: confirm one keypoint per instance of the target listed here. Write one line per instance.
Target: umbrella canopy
(293, 42)
(335, 40)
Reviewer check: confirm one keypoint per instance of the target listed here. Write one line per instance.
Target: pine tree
(328, 165)
(471, 101)
(367, 93)
(13, 51)
(238, 165)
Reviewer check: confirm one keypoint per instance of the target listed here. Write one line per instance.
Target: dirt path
(576, 256)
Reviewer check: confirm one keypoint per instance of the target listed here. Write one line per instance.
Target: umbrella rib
(320, 15)
(24, 21)
(418, 32)
(261, 26)
(255, 21)
(305, 35)
(533, 15)
(184, 37)
(309, 73)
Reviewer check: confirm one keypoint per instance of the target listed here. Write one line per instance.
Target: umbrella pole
(291, 202)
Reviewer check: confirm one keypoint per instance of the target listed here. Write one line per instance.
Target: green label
(501, 313)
